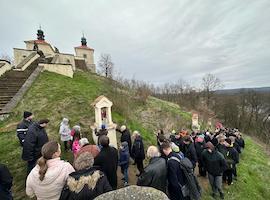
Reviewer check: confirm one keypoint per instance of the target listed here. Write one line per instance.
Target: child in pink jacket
(76, 145)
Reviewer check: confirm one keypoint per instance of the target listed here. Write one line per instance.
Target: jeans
(125, 173)
(216, 183)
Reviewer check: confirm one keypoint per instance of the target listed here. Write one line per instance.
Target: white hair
(136, 133)
(83, 142)
(152, 152)
(122, 128)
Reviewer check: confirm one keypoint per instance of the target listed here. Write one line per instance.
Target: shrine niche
(195, 122)
(103, 116)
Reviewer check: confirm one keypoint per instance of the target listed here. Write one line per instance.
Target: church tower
(86, 53)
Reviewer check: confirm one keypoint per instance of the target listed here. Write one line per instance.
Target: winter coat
(85, 184)
(76, 147)
(35, 138)
(53, 183)
(124, 158)
(240, 142)
(231, 156)
(199, 146)
(155, 174)
(214, 162)
(125, 137)
(22, 129)
(107, 160)
(138, 149)
(5, 183)
(176, 177)
(100, 133)
(65, 132)
(190, 152)
(93, 149)
(178, 141)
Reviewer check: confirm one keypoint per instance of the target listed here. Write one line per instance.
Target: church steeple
(83, 41)
(40, 34)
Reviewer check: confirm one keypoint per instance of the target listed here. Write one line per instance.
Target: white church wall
(20, 55)
(6, 67)
(63, 69)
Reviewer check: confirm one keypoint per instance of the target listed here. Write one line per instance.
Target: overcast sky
(156, 41)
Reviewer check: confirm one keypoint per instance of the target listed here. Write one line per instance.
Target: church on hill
(40, 48)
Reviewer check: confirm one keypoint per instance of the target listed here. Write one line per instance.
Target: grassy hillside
(54, 96)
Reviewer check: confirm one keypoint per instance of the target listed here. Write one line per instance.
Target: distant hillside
(238, 90)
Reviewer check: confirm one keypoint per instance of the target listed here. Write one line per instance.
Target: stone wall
(4, 66)
(20, 55)
(63, 69)
(66, 59)
(45, 48)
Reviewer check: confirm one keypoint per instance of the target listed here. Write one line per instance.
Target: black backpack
(194, 189)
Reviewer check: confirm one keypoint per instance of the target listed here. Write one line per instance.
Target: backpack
(229, 160)
(192, 187)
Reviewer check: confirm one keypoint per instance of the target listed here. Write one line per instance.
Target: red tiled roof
(84, 47)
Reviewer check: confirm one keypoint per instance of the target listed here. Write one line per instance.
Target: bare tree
(106, 65)
(210, 83)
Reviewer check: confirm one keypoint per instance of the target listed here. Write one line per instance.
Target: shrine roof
(99, 99)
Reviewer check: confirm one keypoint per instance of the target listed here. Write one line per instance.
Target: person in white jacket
(65, 133)
(47, 179)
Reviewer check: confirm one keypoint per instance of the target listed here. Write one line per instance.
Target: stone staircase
(12, 81)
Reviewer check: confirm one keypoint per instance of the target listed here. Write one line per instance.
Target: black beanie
(26, 114)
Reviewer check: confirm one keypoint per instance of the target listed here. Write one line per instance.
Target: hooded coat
(124, 157)
(65, 131)
(85, 184)
(53, 183)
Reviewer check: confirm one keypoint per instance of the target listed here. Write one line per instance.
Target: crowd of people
(170, 169)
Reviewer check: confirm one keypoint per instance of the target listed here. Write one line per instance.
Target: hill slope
(55, 96)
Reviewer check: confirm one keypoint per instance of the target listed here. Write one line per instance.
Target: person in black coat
(35, 138)
(101, 132)
(138, 151)
(200, 146)
(215, 165)
(23, 126)
(189, 150)
(125, 136)
(155, 174)
(5, 183)
(107, 160)
(87, 182)
(176, 177)
(232, 158)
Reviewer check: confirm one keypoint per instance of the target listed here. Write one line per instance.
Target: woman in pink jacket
(48, 178)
